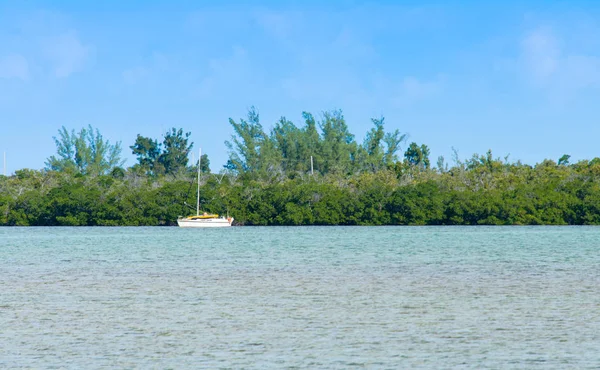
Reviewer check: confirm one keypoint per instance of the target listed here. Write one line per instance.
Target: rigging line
(187, 194)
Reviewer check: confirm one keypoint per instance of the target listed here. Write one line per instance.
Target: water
(303, 297)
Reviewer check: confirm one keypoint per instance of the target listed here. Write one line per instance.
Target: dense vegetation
(269, 180)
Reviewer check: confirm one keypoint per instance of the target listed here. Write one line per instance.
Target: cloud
(581, 71)
(157, 64)
(67, 54)
(549, 64)
(412, 90)
(540, 54)
(134, 75)
(14, 66)
(227, 74)
(277, 24)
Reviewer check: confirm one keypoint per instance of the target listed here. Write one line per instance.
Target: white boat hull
(207, 222)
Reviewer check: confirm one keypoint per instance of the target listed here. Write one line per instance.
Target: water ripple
(347, 297)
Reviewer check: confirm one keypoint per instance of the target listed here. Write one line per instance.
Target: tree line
(269, 179)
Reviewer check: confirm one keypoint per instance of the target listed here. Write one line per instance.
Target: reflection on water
(306, 297)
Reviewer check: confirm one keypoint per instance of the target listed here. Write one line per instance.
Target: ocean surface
(300, 297)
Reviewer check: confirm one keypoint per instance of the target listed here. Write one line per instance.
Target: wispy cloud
(550, 64)
(67, 54)
(226, 74)
(14, 66)
(277, 24)
(134, 75)
(540, 54)
(412, 90)
(157, 64)
(311, 53)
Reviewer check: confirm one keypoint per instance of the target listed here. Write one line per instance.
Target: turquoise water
(301, 297)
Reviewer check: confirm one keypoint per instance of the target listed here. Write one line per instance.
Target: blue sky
(520, 78)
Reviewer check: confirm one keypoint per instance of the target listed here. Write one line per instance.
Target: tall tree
(85, 152)
(417, 156)
(204, 164)
(245, 145)
(393, 140)
(311, 142)
(176, 150)
(564, 160)
(148, 151)
(338, 145)
(293, 144)
(373, 145)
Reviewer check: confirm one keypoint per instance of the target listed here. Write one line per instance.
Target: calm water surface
(302, 297)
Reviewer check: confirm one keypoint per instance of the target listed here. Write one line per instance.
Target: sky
(519, 78)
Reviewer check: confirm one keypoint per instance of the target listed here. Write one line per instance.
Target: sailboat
(204, 219)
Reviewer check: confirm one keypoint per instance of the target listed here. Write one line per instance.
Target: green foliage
(337, 146)
(417, 156)
(168, 158)
(268, 182)
(245, 145)
(286, 151)
(85, 152)
(564, 160)
(204, 164)
(392, 141)
(488, 192)
(174, 157)
(148, 152)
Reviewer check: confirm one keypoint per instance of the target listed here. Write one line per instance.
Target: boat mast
(198, 195)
